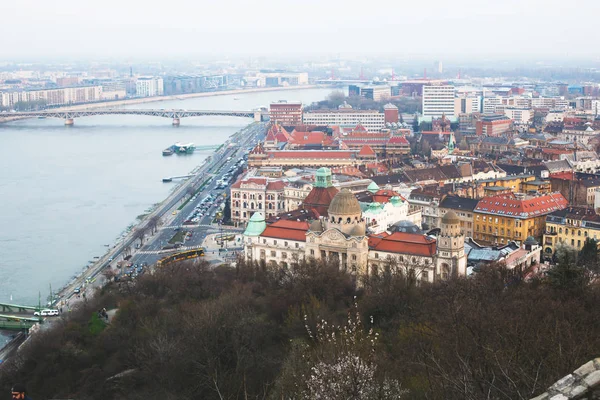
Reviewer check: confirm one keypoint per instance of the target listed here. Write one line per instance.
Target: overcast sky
(188, 28)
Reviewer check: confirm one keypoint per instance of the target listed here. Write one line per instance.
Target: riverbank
(119, 103)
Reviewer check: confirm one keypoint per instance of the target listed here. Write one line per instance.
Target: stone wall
(582, 384)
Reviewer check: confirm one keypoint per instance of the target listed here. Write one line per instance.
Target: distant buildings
(52, 97)
(438, 101)
(376, 93)
(148, 87)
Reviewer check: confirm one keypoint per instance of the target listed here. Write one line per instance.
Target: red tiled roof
(319, 199)
(360, 128)
(366, 150)
(512, 207)
(315, 154)
(258, 181)
(556, 151)
(404, 243)
(275, 185)
(304, 138)
(384, 195)
(567, 176)
(398, 140)
(285, 229)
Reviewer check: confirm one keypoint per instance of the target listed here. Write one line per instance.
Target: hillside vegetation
(191, 332)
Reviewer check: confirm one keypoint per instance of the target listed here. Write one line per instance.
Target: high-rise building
(391, 113)
(467, 105)
(438, 101)
(148, 87)
(286, 113)
(376, 93)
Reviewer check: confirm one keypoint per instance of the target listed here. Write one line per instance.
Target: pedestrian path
(160, 251)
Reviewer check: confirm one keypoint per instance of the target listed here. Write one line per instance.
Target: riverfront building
(148, 87)
(53, 97)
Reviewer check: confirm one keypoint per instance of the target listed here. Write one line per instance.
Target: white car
(46, 313)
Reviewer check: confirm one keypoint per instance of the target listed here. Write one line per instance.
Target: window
(566, 231)
(578, 233)
(264, 241)
(273, 253)
(275, 242)
(425, 276)
(297, 245)
(572, 242)
(376, 255)
(285, 244)
(312, 252)
(284, 255)
(353, 257)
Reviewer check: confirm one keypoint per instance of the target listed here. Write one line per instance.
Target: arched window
(348, 220)
(252, 205)
(245, 205)
(260, 197)
(244, 196)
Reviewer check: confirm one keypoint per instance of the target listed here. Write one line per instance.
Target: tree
(340, 364)
(588, 256)
(154, 222)
(336, 98)
(567, 275)
(227, 211)
(190, 191)
(416, 124)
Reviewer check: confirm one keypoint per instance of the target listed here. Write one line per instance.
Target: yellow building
(509, 217)
(571, 226)
(512, 182)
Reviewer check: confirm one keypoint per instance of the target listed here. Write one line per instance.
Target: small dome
(316, 226)
(358, 230)
(344, 203)
(396, 200)
(405, 226)
(323, 171)
(531, 241)
(450, 218)
(256, 225)
(373, 187)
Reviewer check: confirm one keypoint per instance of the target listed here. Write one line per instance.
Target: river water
(66, 192)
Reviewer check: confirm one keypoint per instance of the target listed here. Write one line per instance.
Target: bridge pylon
(176, 121)
(69, 121)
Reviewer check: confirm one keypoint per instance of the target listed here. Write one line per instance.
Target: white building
(467, 105)
(53, 97)
(438, 101)
(521, 116)
(149, 87)
(372, 120)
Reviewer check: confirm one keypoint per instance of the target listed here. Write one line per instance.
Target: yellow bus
(184, 255)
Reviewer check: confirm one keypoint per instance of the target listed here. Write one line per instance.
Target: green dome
(256, 225)
(396, 201)
(373, 187)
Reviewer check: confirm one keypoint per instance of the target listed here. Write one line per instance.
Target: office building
(148, 87)
(372, 120)
(376, 93)
(438, 101)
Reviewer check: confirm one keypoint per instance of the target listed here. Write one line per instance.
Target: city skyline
(234, 28)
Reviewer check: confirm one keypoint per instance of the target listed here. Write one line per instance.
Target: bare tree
(154, 222)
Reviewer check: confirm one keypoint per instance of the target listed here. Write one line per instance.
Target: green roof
(256, 225)
(373, 187)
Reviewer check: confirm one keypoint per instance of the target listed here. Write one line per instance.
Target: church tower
(450, 257)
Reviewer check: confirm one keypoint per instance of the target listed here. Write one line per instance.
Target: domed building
(322, 193)
(342, 236)
(342, 233)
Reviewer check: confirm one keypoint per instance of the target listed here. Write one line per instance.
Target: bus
(182, 256)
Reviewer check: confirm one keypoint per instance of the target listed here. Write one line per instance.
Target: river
(67, 192)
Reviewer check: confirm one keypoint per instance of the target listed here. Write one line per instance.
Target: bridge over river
(176, 115)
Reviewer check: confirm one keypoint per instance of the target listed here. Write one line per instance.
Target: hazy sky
(189, 28)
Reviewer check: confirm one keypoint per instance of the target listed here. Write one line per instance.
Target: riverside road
(150, 252)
